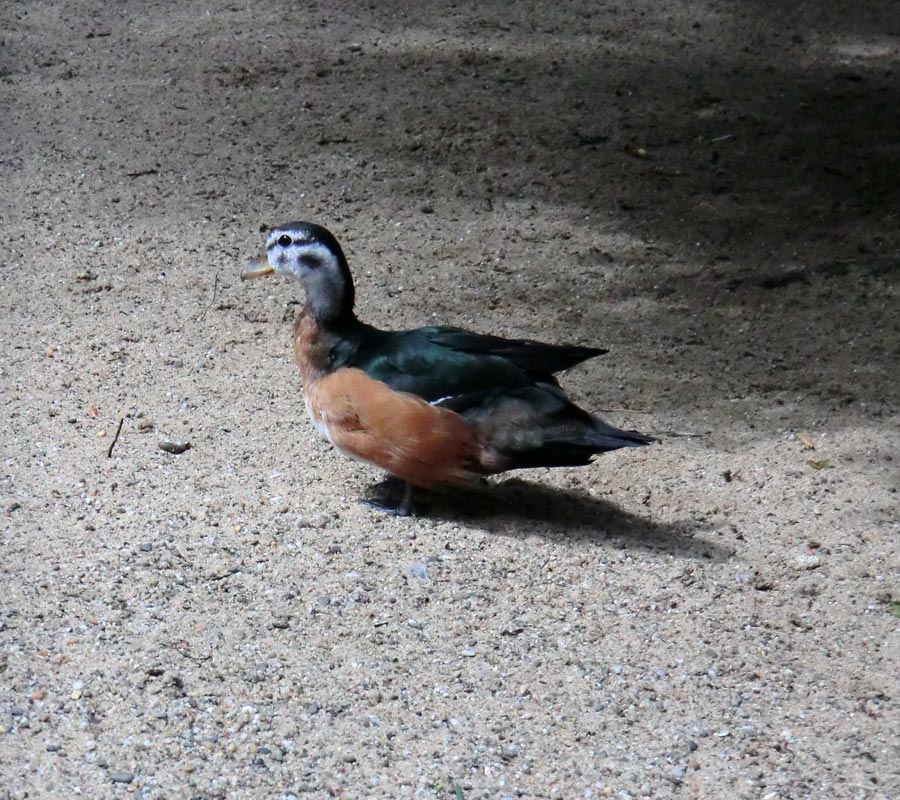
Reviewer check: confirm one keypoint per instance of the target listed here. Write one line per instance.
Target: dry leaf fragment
(806, 442)
(822, 463)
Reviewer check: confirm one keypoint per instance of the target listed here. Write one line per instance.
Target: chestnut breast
(402, 434)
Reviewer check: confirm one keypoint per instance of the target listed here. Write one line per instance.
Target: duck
(436, 407)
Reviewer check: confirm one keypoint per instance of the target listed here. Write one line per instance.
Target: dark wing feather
(437, 363)
(536, 358)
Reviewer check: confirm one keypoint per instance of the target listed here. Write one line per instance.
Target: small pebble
(676, 775)
(807, 561)
(121, 777)
(419, 571)
(146, 547)
(312, 521)
(174, 446)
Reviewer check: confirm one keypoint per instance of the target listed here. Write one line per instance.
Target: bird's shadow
(519, 508)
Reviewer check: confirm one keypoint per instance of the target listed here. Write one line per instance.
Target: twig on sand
(112, 444)
(211, 302)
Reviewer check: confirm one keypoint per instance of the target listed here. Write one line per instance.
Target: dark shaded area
(753, 186)
(713, 148)
(519, 508)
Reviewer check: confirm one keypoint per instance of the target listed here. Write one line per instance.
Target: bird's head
(310, 254)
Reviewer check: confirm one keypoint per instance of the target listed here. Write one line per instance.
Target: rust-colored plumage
(364, 418)
(424, 445)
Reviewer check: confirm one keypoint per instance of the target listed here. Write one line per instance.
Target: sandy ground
(709, 189)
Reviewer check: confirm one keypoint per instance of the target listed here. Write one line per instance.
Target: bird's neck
(330, 295)
(321, 347)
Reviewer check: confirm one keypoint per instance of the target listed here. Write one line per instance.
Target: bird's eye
(284, 240)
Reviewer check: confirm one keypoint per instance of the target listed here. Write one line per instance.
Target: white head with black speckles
(310, 253)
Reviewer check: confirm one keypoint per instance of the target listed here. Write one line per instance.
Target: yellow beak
(258, 267)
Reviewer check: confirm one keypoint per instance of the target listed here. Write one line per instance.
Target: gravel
(712, 617)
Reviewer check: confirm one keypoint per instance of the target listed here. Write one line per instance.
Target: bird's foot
(385, 508)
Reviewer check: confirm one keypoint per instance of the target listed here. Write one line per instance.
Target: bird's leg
(404, 509)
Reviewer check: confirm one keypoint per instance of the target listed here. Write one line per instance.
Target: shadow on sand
(520, 509)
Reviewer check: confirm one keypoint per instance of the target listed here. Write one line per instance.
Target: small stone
(312, 521)
(174, 446)
(146, 547)
(762, 583)
(508, 753)
(676, 775)
(117, 776)
(807, 561)
(53, 747)
(17, 712)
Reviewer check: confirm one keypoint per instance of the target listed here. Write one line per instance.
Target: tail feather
(538, 426)
(606, 437)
